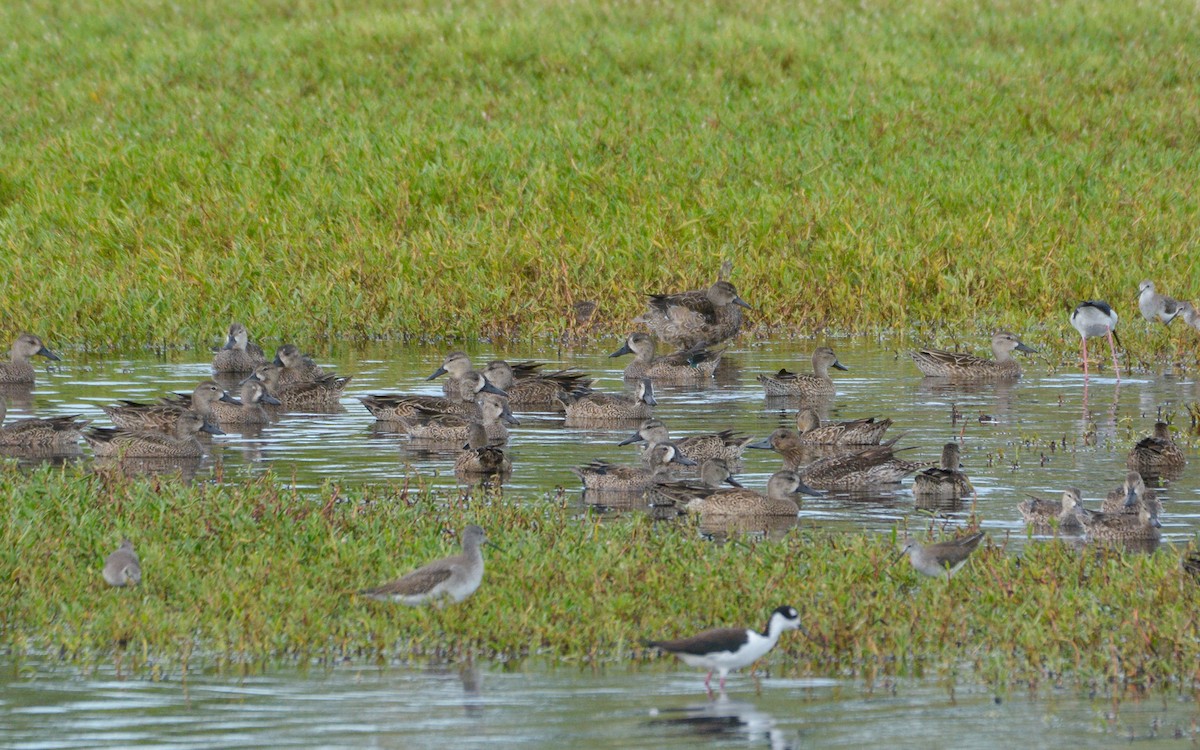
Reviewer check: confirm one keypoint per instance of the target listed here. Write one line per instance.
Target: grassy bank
(255, 572)
(361, 169)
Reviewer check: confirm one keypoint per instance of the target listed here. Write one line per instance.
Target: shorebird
(1095, 318)
(122, 568)
(941, 558)
(456, 577)
(724, 649)
(1155, 306)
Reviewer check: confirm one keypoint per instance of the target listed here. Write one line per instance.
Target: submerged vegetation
(256, 572)
(364, 169)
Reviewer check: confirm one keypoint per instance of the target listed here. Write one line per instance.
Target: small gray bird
(122, 568)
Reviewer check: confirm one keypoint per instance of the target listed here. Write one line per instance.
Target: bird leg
(708, 682)
(1083, 348)
(1113, 349)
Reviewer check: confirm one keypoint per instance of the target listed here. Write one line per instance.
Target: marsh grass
(254, 572)
(361, 169)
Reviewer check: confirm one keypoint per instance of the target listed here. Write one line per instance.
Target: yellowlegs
(455, 577)
(1155, 306)
(724, 649)
(122, 568)
(941, 558)
(1094, 318)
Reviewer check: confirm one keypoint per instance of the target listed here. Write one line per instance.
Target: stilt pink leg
(708, 682)
(1113, 349)
(1083, 347)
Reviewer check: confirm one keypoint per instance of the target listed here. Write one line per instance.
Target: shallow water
(478, 705)
(1049, 432)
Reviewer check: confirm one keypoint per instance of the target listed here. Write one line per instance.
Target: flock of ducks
(684, 475)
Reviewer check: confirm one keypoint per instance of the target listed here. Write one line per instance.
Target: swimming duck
(47, 434)
(455, 429)
(601, 475)
(610, 407)
(480, 457)
(250, 410)
(945, 481)
(726, 445)
(238, 355)
(401, 407)
(816, 385)
(295, 366)
(697, 318)
(943, 364)
(1130, 495)
(678, 493)
(322, 393)
(685, 366)
(1157, 454)
(866, 431)
(533, 389)
(152, 443)
(784, 490)
(1064, 514)
(133, 415)
(18, 369)
(870, 466)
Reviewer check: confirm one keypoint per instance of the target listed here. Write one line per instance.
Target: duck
(1063, 515)
(296, 366)
(480, 457)
(935, 363)
(816, 385)
(684, 366)
(1140, 526)
(1157, 454)
(703, 317)
(601, 475)
(598, 406)
(134, 415)
(18, 370)
(452, 428)
(321, 394)
(400, 407)
(873, 465)
(535, 389)
(945, 481)
(238, 355)
(678, 493)
(1130, 495)
(153, 443)
(866, 431)
(250, 409)
(726, 445)
(35, 433)
(784, 490)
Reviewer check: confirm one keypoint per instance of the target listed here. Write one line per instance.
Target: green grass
(366, 169)
(254, 572)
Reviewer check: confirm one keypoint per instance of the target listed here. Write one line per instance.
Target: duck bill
(742, 303)
(733, 482)
(211, 429)
(635, 438)
(436, 373)
(508, 418)
(269, 399)
(804, 489)
(489, 388)
(229, 343)
(839, 366)
(622, 351)
(229, 399)
(1130, 498)
(277, 361)
(1027, 349)
(683, 460)
(764, 444)
(49, 354)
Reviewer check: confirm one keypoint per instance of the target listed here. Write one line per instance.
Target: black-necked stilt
(1096, 318)
(456, 577)
(122, 568)
(1155, 306)
(725, 649)
(941, 558)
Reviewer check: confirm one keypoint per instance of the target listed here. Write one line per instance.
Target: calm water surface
(1045, 432)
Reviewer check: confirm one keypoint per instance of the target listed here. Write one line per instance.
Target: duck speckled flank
(867, 467)
(18, 369)
(480, 457)
(456, 430)
(238, 355)
(945, 481)
(942, 364)
(609, 407)
(726, 445)
(152, 443)
(601, 475)
(866, 431)
(1142, 525)
(1063, 514)
(250, 410)
(454, 578)
(132, 415)
(818, 385)
(678, 493)
(401, 407)
(295, 366)
(41, 434)
(697, 318)
(1157, 455)
(685, 366)
(784, 490)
